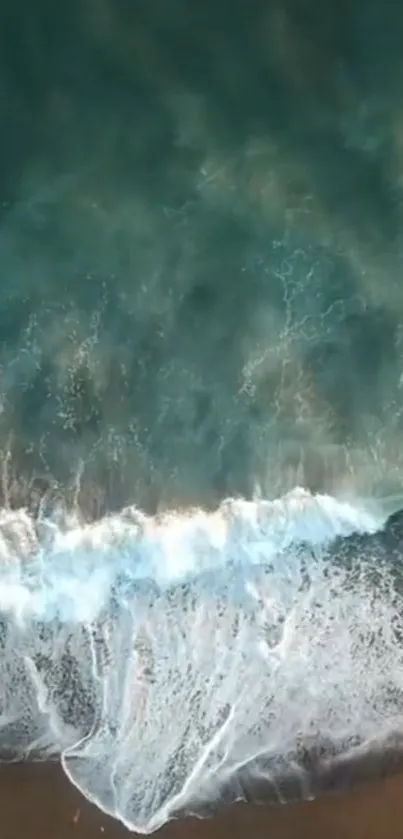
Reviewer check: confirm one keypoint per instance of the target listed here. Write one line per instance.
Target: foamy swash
(177, 662)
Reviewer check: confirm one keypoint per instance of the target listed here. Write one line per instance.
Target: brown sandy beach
(38, 803)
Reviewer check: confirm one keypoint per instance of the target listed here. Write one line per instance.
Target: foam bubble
(164, 658)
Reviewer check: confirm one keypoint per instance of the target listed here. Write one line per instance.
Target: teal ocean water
(200, 300)
(200, 250)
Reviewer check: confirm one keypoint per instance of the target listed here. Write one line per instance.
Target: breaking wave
(172, 663)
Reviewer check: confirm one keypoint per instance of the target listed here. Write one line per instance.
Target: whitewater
(172, 663)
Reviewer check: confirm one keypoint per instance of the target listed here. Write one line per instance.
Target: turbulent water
(171, 662)
(201, 251)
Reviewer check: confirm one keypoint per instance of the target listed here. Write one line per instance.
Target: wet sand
(37, 801)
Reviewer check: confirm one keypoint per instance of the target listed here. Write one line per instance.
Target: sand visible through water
(37, 802)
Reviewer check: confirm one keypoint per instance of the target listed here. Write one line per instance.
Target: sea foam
(163, 659)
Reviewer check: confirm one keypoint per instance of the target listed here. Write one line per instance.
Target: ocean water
(200, 252)
(200, 300)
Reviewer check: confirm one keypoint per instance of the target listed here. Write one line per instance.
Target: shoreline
(37, 800)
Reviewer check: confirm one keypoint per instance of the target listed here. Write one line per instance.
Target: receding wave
(173, 663)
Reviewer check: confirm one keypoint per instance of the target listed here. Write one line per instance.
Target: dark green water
(201, 284)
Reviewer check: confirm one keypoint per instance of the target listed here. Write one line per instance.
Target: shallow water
(274, 626)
